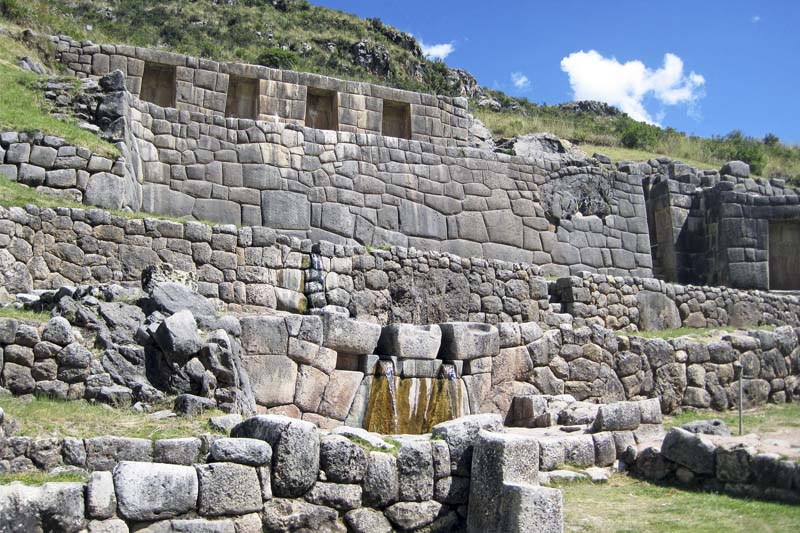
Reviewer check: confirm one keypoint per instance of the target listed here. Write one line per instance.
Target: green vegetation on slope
(295, 34)
(44, 417)
(22, 106)
(621, 137)
(38, 477)
(626, 505)
(277, 33)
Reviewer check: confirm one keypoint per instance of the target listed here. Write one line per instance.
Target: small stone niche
(158, 84)
(396, 119)
(322, 109)
(242, 98)
(784, 241)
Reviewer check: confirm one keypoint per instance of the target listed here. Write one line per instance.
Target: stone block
(228, 489)
(272, 378)
(460, 435)
(349, 336)
(151, 491)
(251, 452)
(619, 416)
(179, 451)
(285, 210)
(295, 451)
(529, 509)
(410, 341)
(101, 500)
(499, 459)
(342, 460)
(381, 480)
(468, 340)
(690, 450)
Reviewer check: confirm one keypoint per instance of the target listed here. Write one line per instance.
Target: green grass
(38, 477)
(628, 505)
(763, 419)
(24, 314)
(43, 417)
(621, 138)
(22, 106)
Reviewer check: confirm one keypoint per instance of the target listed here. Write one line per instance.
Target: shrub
(277, 58)
(639, 135)
(13, 9)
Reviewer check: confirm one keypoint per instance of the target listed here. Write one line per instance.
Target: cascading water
(411, 404)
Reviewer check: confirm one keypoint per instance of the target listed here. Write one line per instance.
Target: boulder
(342, 460)
(298, 515)
(657, 311)
(225, 423)
(179, 451)
(713, 426)
(415, 469)
(689, 450)
(381, 481)
(106, 190)
(341, 497)
(150, 491)
(366, 520)
(252, 452)
(413, 515)
(499, 459)
(171, 297)
(178, 336)
(468, 340)
(738, 169)
(530, 509)
(191, 405)
(620, 416)
(102, 453)
(228, 489)
(58, 331)
(295, 451)
(410, 341)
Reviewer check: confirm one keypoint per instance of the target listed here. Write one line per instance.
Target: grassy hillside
(621, 137)
(297, 35)
(289, 34)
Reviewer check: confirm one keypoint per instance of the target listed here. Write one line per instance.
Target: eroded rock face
(584, 194)
(150, 491)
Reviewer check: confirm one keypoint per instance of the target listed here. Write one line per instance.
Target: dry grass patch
(765, 419)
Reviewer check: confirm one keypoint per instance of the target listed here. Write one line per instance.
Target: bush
(639, 135)
(13, 9)
(277, 58)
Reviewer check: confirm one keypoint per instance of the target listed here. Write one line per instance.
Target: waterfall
(412, 404)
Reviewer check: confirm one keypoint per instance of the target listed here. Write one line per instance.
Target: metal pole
(740, 368)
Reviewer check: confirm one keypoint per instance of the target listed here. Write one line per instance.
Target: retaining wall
(203, 86)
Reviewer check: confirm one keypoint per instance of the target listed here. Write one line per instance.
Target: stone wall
(278, 474)
(203, 86)
(713, 228)
(721, 465)
(619, 302)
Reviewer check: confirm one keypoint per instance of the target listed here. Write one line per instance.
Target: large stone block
(417, 220)
(295, 451)
(349, 336)
(251, 452)
(415, 467)
(102, 453)
(499, 459)
(460, 435)
(468, 340)
(178, 336)
(285, 210)
(151, 491)
(106, 190)
(381, 481)
(690, 450)
(272, 378)
(619, 416)
(228, 489)
(342, 460)
(657, 311)
(339, 393)
(264, 335)
(530, 509)
(410, 341)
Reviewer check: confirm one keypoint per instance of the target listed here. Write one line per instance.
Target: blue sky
(703, 67)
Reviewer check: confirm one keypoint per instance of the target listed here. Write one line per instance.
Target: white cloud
(437, 51)
(520, 80)
(755, 19)
(625, 85)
